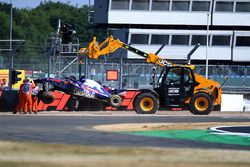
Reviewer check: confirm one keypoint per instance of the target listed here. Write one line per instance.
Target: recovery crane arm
(110, 45)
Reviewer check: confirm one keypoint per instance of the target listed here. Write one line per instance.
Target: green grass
(20, 154)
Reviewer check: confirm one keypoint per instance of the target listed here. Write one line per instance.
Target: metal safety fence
(138, 74)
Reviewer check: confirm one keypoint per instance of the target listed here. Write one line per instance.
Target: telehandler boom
(177, 86)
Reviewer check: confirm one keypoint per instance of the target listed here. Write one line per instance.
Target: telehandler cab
(177, 86)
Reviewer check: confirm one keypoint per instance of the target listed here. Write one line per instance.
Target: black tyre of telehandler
(146, 103)
(201, 104)
(46, 96)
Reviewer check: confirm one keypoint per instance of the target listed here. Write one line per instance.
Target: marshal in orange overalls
(35, 98)
(26, 91)
(21, 101)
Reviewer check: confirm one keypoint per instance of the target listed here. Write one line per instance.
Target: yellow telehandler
(177, 86)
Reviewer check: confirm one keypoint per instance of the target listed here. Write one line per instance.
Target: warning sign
(112, 75)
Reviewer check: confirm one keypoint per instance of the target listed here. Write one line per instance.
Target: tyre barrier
(59, 103)
(9, 100)
(65, 102)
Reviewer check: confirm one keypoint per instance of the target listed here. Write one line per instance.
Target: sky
(35, 3)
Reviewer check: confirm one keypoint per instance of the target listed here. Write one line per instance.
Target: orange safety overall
(21, 100)
(26, 96)
(35, 99)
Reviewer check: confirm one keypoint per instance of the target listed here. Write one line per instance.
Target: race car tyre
(46, 96)
(72, 104)
(201, 104)
(115, 100)
(146, 103)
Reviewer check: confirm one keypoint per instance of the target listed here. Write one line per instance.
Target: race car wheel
(115, 100)
(72, 104)
(201, 104)
(146, 103)
(46, 96)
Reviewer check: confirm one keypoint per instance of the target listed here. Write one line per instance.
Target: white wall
(241, 54)
(159, 18)
(232, 102)
(235, 19)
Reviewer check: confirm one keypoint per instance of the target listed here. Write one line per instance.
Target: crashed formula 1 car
(86, 88)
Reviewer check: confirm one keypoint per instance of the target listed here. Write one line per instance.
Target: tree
(35, 25)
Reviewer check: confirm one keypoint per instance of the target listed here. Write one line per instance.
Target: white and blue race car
(84, 88)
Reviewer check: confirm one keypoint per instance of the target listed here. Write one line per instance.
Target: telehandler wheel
(201, 104)
(146, 103)
(46, 96)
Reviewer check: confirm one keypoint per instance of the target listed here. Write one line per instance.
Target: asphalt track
(77, 128)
